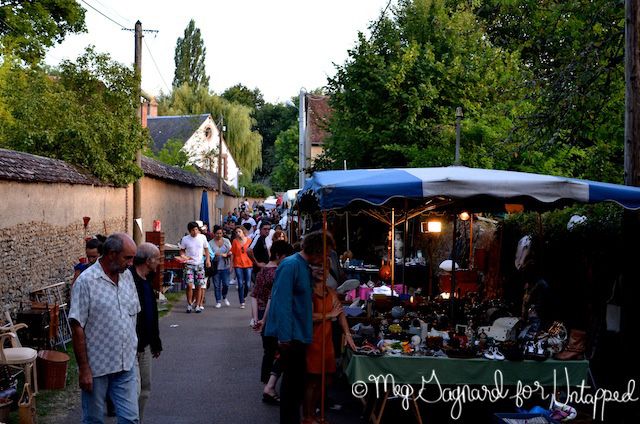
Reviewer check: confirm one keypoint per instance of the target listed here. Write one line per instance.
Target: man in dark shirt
(146, 262)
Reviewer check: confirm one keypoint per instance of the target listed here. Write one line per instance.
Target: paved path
(209, 370)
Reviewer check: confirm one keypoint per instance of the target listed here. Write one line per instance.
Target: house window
(207, 132)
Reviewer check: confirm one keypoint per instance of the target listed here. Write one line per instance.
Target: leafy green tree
(285, 172)
(245, 144)
(243, 95)
(189, 58)
(395, 97)
(172, 154)
(271, 120)
(574, 50)
(27, 28)
(86, 116)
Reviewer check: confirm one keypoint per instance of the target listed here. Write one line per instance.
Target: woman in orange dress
(324, 299)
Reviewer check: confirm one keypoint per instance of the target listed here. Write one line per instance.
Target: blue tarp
(337, 189)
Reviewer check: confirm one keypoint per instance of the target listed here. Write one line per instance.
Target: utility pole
(137, 200)
(302, 133)
(219, 198)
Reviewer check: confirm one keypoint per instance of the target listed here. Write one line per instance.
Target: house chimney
(153, 108)
(143, 114)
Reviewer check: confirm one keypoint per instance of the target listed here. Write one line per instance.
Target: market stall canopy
(270, 203)
(449, 185)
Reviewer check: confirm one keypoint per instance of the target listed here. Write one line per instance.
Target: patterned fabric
(264, 282)
(107, 312)
(195, 275)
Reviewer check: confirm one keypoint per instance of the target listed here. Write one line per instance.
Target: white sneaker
(242, 306)
(189, 309)
(218, 305)
(226, 302)
(199, 309)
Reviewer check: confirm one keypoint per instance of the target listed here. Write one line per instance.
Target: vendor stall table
(411, 369)
(454, 371)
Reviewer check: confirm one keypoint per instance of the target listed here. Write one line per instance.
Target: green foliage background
(541, 85)
(85, 116)
(189, 58)
(245, 143)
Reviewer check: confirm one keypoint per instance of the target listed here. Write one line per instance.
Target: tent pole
(392, 259)
(470, 241)
(453, 268)
(404, 246)
(324, 312)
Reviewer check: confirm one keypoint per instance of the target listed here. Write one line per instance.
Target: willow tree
(189, 58)
(244, 143)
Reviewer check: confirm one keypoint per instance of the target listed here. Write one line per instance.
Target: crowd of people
(114, 314)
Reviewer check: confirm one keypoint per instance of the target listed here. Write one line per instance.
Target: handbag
(27, 406)
(614, 312)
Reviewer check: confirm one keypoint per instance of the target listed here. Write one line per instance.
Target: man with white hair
(144, 265)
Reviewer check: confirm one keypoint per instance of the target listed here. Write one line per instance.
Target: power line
(127, 20)
(156, 65)
(108, 17)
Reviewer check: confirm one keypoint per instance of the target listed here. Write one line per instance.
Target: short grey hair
(145, 251)
(113, 243)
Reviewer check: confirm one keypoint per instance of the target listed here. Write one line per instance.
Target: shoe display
(226, 302)
(494, 354)
(497, 355)
(575, 348)
(489, 353)
(242, 306)
(218, 305)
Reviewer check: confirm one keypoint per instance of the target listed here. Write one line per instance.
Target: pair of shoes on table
(218, 305)
(273, 399)
(494, 353)
(242, 306)
(226, 302)
(535, 351)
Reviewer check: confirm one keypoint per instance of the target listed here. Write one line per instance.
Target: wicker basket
(52, 369)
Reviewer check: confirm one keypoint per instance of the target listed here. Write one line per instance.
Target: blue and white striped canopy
(337, 189)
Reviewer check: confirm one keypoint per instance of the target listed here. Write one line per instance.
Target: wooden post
(325, 268)
(137, 185)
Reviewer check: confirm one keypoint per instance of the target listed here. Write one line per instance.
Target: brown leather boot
(575, 348)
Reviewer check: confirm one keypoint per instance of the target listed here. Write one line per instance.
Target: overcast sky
(278, 46)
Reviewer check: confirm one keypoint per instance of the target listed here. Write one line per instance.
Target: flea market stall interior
(428, 303)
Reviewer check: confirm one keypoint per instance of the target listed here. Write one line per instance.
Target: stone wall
(42, 231)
